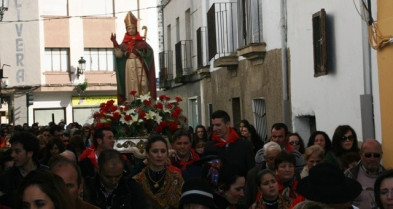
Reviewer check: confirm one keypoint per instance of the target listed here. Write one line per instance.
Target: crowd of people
(221, 167)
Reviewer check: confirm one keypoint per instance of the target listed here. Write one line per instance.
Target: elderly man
(271, 150)
(366, 172)
(279, 134)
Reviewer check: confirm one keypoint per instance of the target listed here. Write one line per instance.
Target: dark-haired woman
(320, 138)
(345, 142)
(383, 190)
(249, 132)
(200, 138)
(161, 183)
(296, 142)
(43, 189)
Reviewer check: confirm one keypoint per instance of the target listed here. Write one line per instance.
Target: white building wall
(333, 99)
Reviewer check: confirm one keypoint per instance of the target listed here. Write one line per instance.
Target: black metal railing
(222, 29)
(166, 68)
(183, 57)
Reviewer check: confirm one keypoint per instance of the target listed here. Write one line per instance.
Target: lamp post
(3, 8)
(81, 68)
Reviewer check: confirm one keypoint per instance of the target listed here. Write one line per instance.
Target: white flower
(144, 97)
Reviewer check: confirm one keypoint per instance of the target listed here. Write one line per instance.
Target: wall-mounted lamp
(81, 68)
(3, 8)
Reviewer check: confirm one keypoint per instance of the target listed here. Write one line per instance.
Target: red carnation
(116, 116)
(113, 108)
(168, 106)
(167, 98)
(142, 114)
(158, 105)
(133, 92)
(172, 126)
(178, 99)
(127, 117)
(147, 102)
(162, 97)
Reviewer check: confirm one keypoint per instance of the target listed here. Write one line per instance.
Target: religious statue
(135, 69)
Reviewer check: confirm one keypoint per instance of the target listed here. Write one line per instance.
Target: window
(250, 24)
(57, 59)
(99, 59)
(259, 110)
(44, 116)
(319, 43)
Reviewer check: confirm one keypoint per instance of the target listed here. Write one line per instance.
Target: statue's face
(131, 30)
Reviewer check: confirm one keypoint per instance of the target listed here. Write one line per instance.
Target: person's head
(344, 140)
(326, 183)
(70, 172)
(242, 124)
(196, 194)
(270, 152)
(200, 132)
(57, 131)
(309, 204)
(371, 155)
(6, 161)
(24, 147)
(279, 134)
(320, 138)
(383, 190)
(267, 184)
(77, 143)
(69, 155)
(232, 183)
(284, 165)
(313, 155)
(221, 123)
(110, 168)
(43, 189)
(42, 141)
(55, 146)
(296, 141)
(46, 133)
(131, 24)
(157, 152)
(103, 138)
(182, 143)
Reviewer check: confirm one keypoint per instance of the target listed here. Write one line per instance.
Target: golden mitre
(131, 20)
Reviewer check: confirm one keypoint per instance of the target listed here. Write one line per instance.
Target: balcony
(222, 34)
(183, 61)
(166, 69)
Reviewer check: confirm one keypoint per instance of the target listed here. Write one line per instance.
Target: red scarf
(131, 39)
(89, 153)
(193, 157)
(231, 138)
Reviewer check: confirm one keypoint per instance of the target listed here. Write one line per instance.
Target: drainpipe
(366, 100)
(284, 64)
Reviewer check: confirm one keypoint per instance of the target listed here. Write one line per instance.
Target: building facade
(264, 61)
(43, 41)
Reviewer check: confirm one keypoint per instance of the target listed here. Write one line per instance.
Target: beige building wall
(251, 79)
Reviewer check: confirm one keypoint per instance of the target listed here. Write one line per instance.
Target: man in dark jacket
(228, 145)
(24, 146)
(110, 188)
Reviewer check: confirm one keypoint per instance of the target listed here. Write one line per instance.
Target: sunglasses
(350, 138)
(369, 154)
(294, 142)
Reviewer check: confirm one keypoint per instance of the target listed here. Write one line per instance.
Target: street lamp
(3, 8)
(81, 68)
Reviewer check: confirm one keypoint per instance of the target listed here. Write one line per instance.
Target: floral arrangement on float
(140, 117)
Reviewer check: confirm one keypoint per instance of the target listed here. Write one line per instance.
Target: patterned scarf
(231, 138)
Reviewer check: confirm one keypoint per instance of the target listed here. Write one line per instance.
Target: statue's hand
(113, 39)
